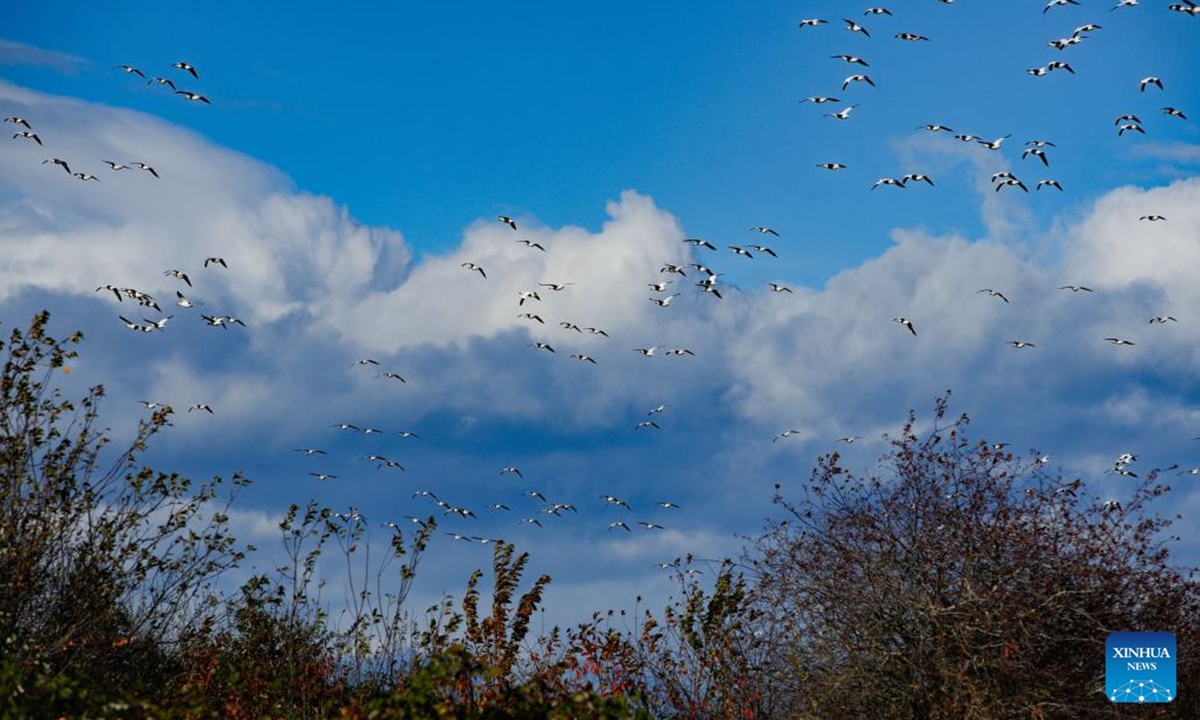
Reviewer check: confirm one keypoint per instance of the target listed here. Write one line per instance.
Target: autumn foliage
(957, 581)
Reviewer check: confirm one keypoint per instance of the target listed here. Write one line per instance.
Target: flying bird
(855, 27)
(850, 59)
(160, 324)
(1049, 183)
(152, 171)
(178, 274)
(812, 22)
(615, 501)
(186, 68)
(194, 97)
(129, 69)
(215, 261)
(507, 221)
(994, 293)
(132, 325)
(1052, 3)
(843, 114)
(906, 323)
(1150, 81)
(1011, 182)
(857, 78)
(115, 291)
(29, 134)
(1036, 152)
(765, 230)
(61, 163)
(19, 121)
(1174, 112)
(475, 268)
(1076, 288)
(994, 144)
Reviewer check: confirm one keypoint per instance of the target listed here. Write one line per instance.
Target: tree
(963, 582)
(104, 564)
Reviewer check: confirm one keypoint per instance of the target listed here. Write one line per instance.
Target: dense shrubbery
(962, 582)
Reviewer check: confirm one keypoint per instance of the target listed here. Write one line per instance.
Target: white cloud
(290, 252)
(319, 290)
(15, 53)
(1174, 152)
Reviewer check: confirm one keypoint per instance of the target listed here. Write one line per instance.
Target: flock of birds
(675, 274)
(1035, 148)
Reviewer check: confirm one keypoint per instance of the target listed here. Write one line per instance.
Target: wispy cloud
(15, 53)
(1175, 152)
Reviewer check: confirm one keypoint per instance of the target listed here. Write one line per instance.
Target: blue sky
(350, 162)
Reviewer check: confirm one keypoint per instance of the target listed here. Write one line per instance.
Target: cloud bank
(319, 291)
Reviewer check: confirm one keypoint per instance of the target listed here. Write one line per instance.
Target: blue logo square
(1140, 667)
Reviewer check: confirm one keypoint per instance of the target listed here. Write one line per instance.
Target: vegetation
(961, 581)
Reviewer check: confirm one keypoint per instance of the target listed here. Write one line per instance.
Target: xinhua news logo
(1140, 667)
